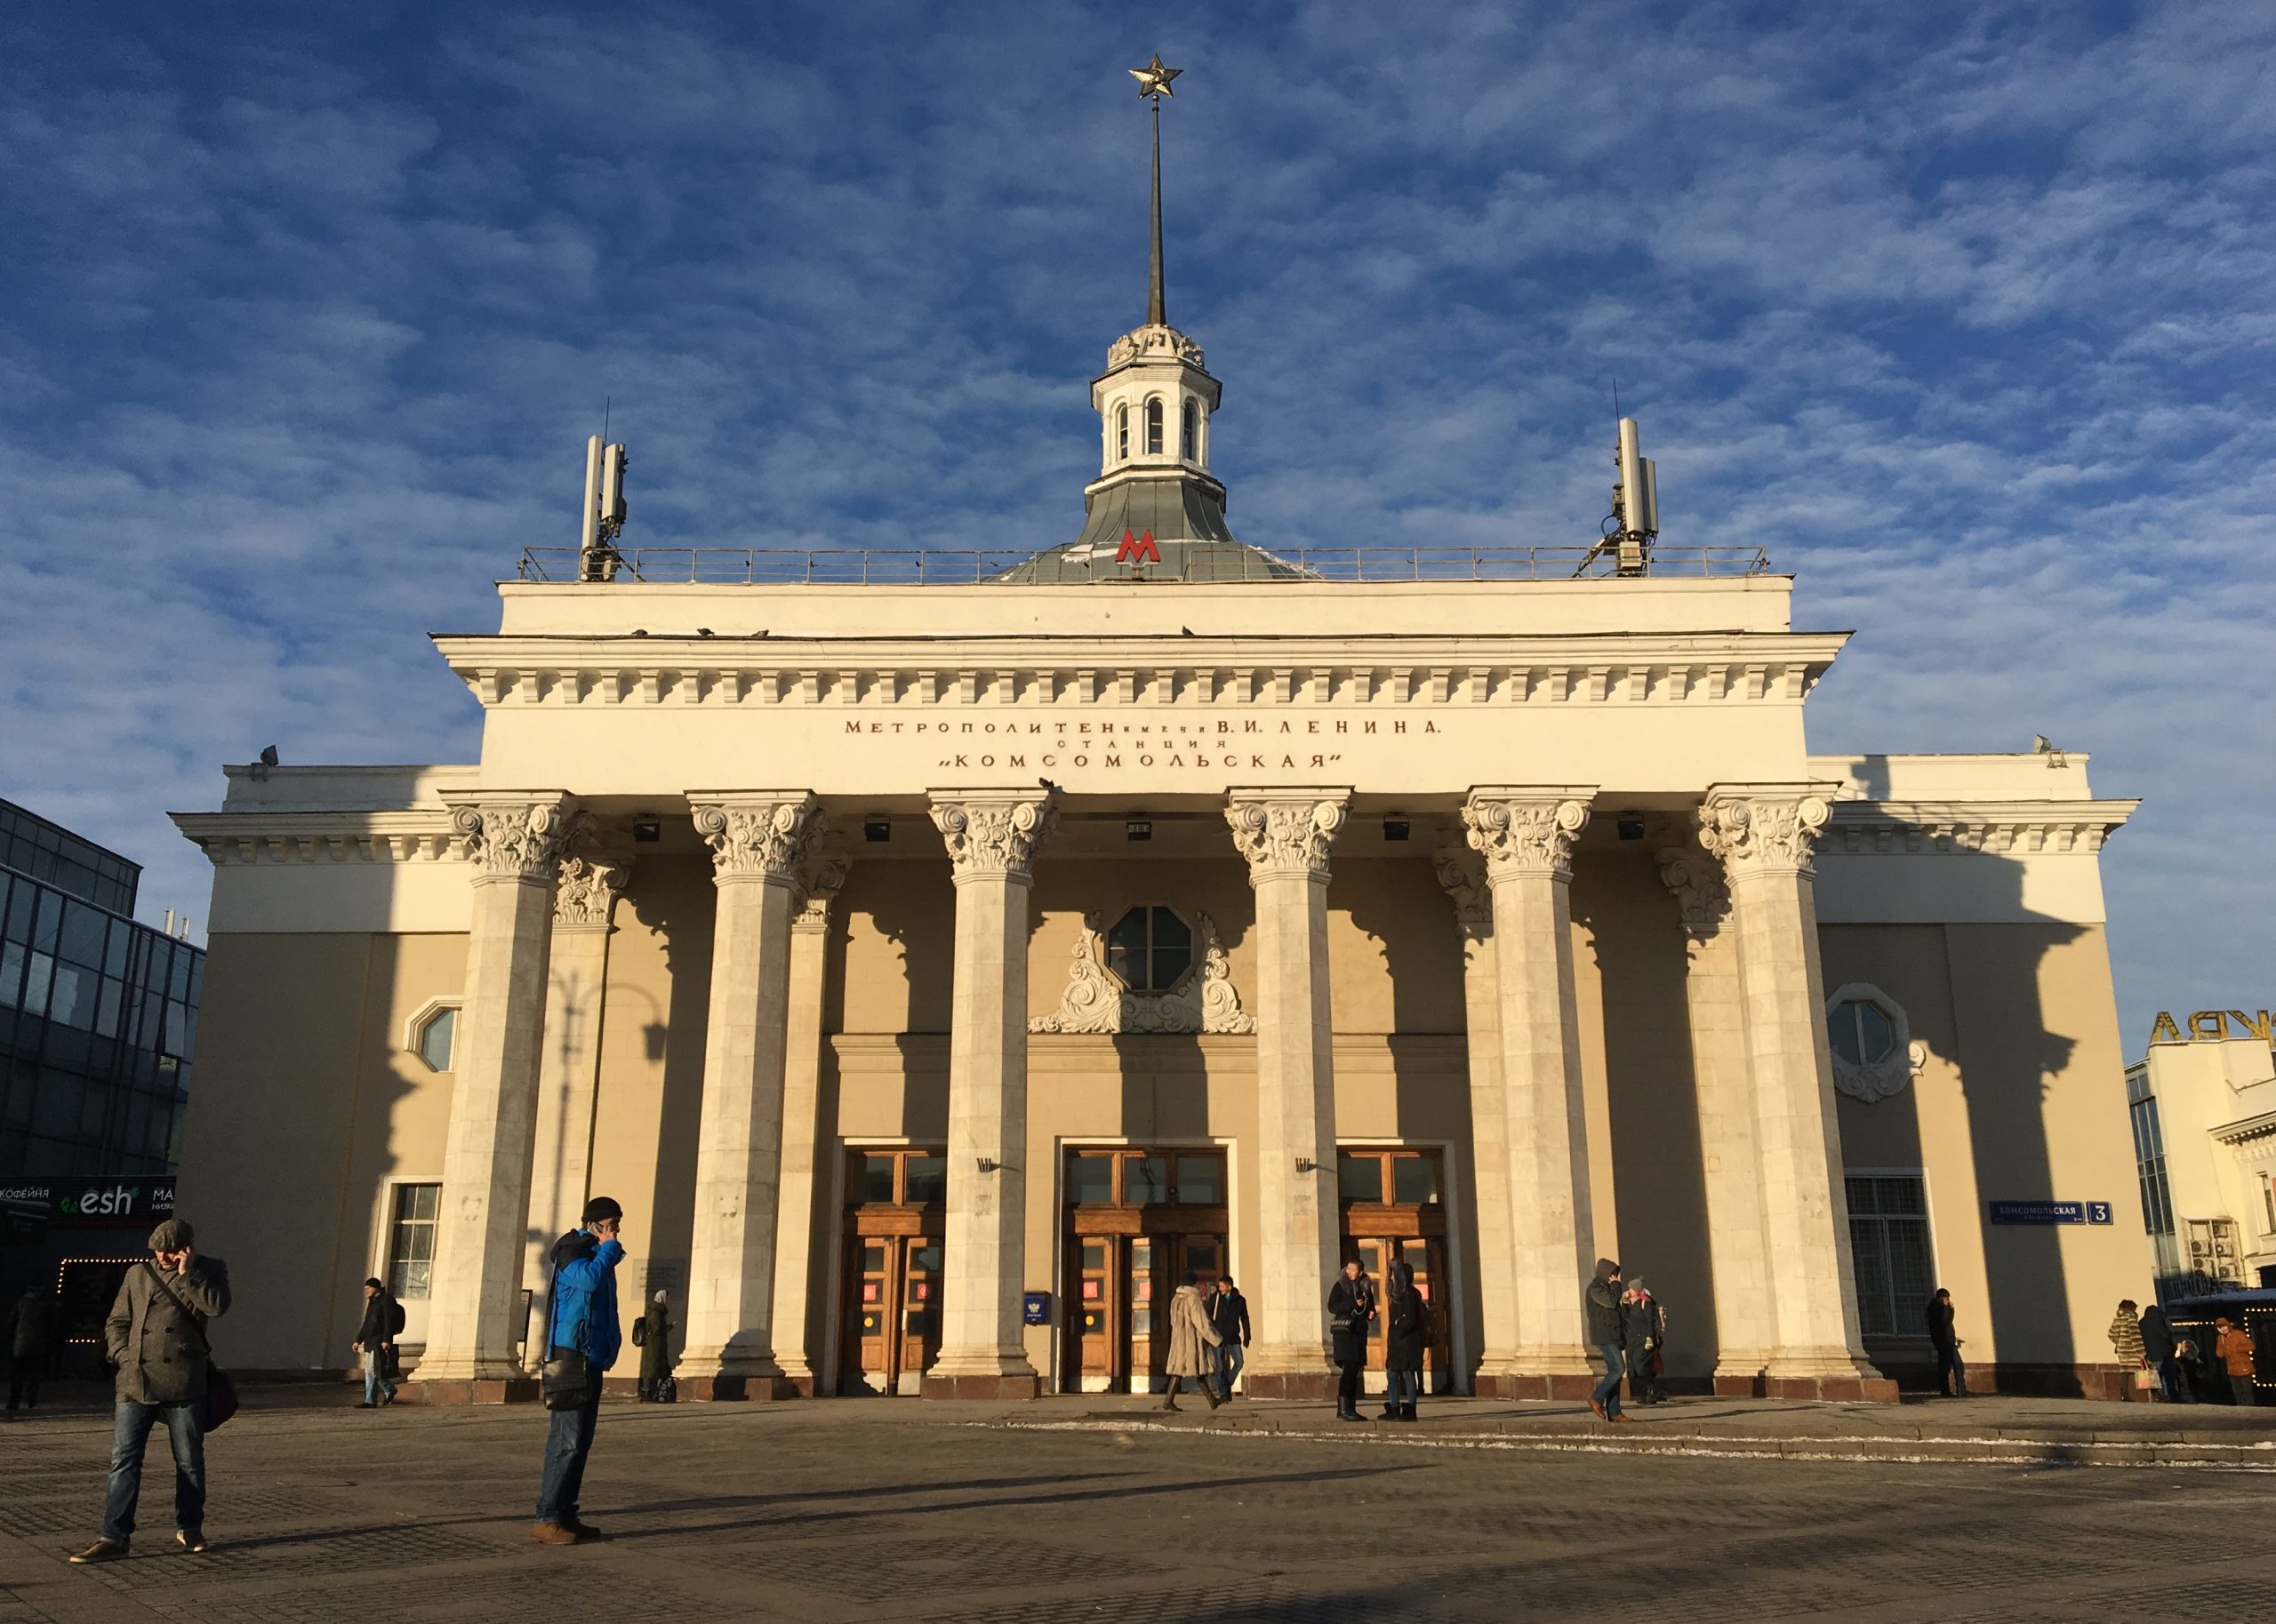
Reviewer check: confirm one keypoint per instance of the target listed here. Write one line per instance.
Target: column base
(1524, 1384)
(730, 1386)
(1308, 1387)
(999, 1387)
(470, 1390)
(1874, 1389)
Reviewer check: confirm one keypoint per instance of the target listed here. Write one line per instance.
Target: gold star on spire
(1154, 79)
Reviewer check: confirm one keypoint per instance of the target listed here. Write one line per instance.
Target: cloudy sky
(1967, 313)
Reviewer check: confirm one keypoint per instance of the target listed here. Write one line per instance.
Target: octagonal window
(1861, 1032)
(438, 1035)
(1150, 950)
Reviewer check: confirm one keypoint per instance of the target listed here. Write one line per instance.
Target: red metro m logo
(1137, 549)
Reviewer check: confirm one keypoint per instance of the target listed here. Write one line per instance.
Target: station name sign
(2212, 1027)
(2051, 1213)
(1170, 742)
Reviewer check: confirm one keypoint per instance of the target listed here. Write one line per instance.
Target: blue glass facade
(97, 1013)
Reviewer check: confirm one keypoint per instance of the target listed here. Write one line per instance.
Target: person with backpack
(375, 1342)
(583, 1338)
(651, 1334)
(156, 1335)
(1404, 1316)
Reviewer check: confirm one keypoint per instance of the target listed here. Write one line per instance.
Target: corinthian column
(517, 843)
(1461, 872)
(757, 839)
(569, 1072)
(992, 837)
(809, 1128)
(1722, 1081)
(1764, 835)
(1285, 835)
(1525, 836)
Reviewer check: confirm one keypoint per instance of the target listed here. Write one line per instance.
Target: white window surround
(1882, 1078)
(414, 1028)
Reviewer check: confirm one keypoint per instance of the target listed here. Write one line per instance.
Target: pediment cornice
(1899, 828)
(239, 839)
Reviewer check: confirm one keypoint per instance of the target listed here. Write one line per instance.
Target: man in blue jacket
(580, 1314)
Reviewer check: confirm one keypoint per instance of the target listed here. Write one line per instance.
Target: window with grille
(1889, 1239)
(411, 1240)
(2150, 1163)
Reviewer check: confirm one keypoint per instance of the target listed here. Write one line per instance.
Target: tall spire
(1153, 84)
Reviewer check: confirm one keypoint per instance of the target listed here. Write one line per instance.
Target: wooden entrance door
(1391, 1211)
(1137, 1220)
(893, 1313)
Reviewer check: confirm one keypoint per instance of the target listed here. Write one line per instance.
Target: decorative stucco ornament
(1096, 1001)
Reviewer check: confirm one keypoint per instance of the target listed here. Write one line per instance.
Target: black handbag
(565, 1381)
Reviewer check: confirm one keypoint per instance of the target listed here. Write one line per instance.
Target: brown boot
(1169, 1399)
(553, 1533)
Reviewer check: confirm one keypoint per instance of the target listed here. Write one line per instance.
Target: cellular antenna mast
(1153, 84)
(603, 517)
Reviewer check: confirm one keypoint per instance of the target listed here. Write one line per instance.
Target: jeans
(2170, 1376)
(375, 1375)
(130, 1430)
(1607, 1395)
(566, 1445)
(1230, 1360)
(1951, 1375)
(1402, 1388)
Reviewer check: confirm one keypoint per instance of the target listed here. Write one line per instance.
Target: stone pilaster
(584, 896)
(515, 843)
(757, 840)
(992, 837)
(1764, 835)
(1462, 873)
(1285, 834)
(1721, 1071)
(1525, 836)
(809, 1135)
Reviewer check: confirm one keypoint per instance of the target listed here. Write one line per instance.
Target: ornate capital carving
(1766, 831)
(994, 833)
(585, 892)
(1287, 834)
(1526, 832)
(757, 836)
(1151, 341)
(1462, 873)
(523, 839)
(1702, 898)
(821, 878)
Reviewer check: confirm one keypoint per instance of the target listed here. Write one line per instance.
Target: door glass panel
(1201, 1181)
(1359, 1178)
(1093, 1256)
(877, 1179)
(1145, 1179)
(1090, 1182)
(928, 1181)
(1414, 1179)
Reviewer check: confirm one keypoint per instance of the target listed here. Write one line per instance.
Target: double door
(1120, 1291)
(1426, 1255)
(893, 1300)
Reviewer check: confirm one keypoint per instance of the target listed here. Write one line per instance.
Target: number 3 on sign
(2098, 1212)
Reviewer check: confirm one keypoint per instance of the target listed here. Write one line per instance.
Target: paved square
(896, 1511)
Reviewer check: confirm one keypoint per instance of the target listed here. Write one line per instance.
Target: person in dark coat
(31, 1334)
(1608, 1336)
(1640, 1325)
(1404, 1313)
(1951, 1375)
(1351, 1310)
(2162, 1350)
(653, 1332)
(374, 1339)
(1228, 1313)
(156, 1335)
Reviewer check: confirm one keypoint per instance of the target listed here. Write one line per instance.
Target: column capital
(820, 878)
(1703, 896)
(585, 892)
(1286, 831)
(756, 834)
(1527, 829)
(1764, 828)
(519, 836)
(1462, 874)
(993, 831)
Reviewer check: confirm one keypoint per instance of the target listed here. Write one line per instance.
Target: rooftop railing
(941, 567)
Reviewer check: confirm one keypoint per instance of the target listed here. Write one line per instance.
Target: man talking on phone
(581, 1322)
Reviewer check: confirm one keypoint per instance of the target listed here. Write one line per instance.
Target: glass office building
(97, 1012)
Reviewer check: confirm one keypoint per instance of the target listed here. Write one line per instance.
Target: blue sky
(1965, 313)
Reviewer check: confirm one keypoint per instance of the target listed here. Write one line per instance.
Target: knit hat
(172, 1236)
(1636, 1284)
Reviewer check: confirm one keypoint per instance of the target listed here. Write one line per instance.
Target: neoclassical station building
(939, 954)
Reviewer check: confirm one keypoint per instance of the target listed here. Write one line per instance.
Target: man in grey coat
(157, 1338)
